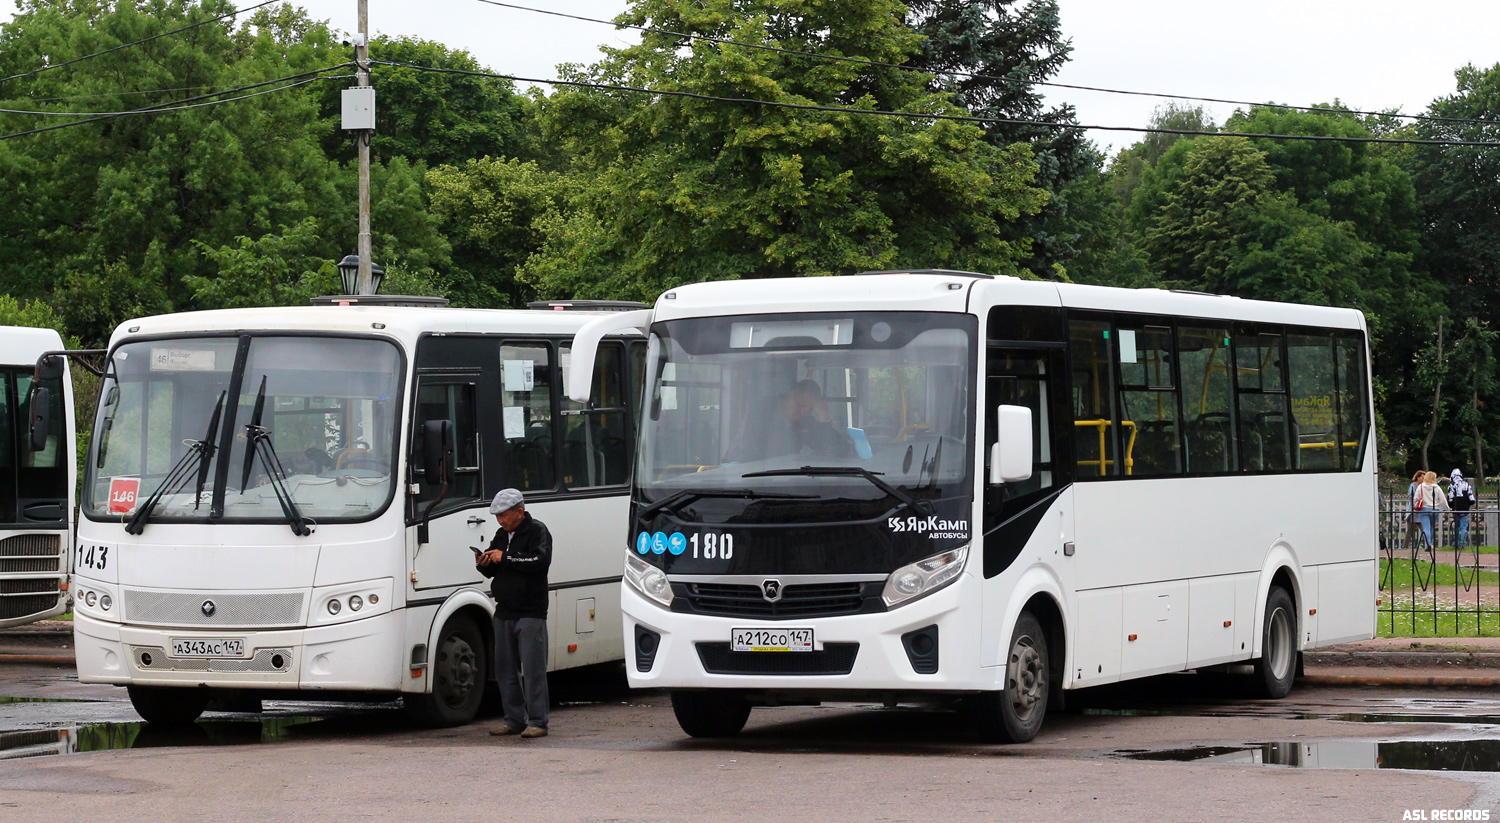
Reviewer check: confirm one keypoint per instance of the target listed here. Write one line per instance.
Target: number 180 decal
(705, 545)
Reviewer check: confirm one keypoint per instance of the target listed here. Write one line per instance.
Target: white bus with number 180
(935, 485)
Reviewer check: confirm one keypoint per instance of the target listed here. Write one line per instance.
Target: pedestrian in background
(1411, 507)
(516, 564)
(1461, 498)
(1430, 500)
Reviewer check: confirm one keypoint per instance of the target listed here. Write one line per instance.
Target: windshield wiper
(923, 506)
(203, 450)
(258, 441)
(672, 501)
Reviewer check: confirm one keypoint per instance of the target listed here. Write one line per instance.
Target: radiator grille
(156, 659)
(186, 608)
(797, 600)
(835, 658)
(26, 605)
(35, 585)
(31, 553)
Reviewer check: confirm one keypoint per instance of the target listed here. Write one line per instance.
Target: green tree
(1007, 47)
(1476, 379)
(494, 210)
(431, 118)
(112, 209)
(670, 190)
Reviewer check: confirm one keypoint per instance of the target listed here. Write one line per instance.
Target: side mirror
(1010, 455)
(49, 367)
(437, 450)
(41, 417)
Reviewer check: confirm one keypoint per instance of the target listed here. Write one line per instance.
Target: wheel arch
(478, 607)
(1040, 592)
(1281, 568)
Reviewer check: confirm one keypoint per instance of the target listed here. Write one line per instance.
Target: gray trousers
(521, 670)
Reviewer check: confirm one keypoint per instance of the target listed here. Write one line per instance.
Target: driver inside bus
(800, 420)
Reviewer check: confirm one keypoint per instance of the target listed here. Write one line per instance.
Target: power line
(170, 103)
(954, 117)
(136, 42)
(189, 102)
(974, 76)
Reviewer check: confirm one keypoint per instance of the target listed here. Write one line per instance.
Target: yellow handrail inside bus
(1104, 463)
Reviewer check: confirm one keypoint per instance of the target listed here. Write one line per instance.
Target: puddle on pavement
(4, 700)
(1436, 755)
(1347, 717)
(94, 737)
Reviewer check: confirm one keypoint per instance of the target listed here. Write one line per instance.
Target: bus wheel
(1015, 714)
(458, 674)
(1277, 666)
(168, 706)
(710, 713)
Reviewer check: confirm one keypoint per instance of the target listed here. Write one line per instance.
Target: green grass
(1464, 623)
(1404, 579)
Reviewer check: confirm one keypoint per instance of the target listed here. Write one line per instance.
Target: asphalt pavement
(1179, 747)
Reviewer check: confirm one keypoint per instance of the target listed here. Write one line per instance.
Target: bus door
(457, 379)
(1016, 513)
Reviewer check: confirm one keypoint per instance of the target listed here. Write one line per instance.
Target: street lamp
(349, 275)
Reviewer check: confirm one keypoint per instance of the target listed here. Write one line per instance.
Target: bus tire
(1015, 713)
(458, 670)
(710, 713)
(1277, 666)
(167, 705)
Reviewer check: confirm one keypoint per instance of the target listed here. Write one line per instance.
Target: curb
(1405, 659)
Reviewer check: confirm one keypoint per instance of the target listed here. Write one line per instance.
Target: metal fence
(1448, 585)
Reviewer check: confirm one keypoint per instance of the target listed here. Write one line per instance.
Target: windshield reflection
(329, 405)
(878, 395)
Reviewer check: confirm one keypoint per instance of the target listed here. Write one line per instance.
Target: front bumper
(361, 655)
(881, 663)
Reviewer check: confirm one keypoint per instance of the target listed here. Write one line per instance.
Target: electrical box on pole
(359, 109)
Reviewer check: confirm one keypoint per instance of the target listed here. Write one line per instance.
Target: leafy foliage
(675, 190)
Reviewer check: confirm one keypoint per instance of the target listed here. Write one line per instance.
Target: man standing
(516, 563)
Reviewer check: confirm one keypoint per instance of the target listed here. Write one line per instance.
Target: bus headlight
(648, 580)
(924, 576)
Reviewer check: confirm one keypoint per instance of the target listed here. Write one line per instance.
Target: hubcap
(1279, 643)
(456, 670)
(1026, 678)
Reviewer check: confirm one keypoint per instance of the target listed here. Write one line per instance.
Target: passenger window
(1089, 361)
(1262, 408)
(1353, 405)
(1148, 401)
(1204, 362)
(596, 451)
(1314, 402)
(453, 402)
(526, 383)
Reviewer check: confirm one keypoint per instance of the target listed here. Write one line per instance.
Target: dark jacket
(519, 580)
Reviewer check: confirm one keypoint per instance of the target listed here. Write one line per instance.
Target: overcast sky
(1370, 54)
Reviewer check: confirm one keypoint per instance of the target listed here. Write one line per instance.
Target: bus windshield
(851, 406)
(328, 403)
